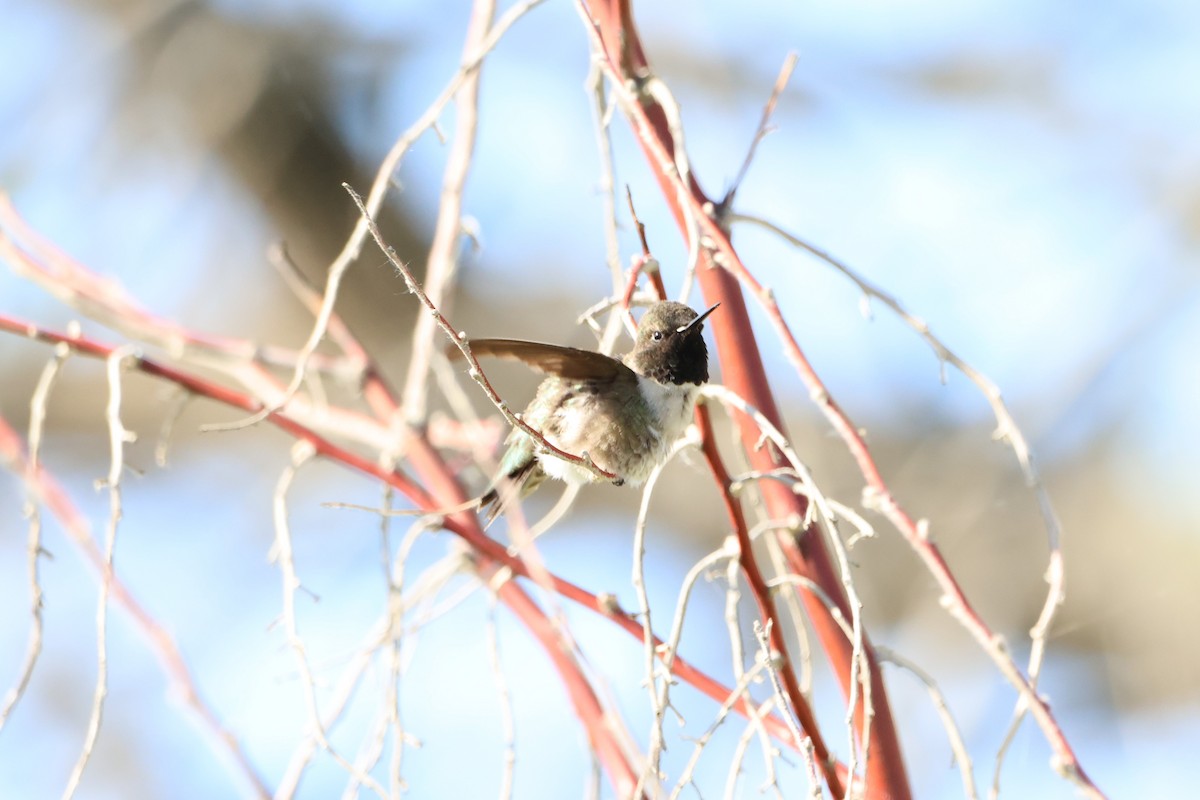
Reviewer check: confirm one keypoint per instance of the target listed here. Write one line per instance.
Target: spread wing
(552, 359)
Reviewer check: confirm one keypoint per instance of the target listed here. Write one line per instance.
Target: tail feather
(514, 485)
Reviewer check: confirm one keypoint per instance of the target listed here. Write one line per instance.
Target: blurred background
(1024, 176)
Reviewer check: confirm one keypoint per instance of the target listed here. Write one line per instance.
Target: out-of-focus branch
(659, 693)
(241, 360)
(118, 436)
(770, 658)
(426, 461)
(32, 467)
(105, 300)
(760, 133)
(459, 340)
(441, 261)
(48, 493)
(957, 745)
(282, 553)
(379, 187)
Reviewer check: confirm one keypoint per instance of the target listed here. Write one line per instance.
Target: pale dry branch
(791, 599)
(739, 691)
(738, 654)
(374, 202)
(769, 657)
(368, 756)
(37, 424)
(659, 696)
(798, 704)
(395, 571)
(174, 411)
(739, 754)
(432, 581)
(957, 746)
(763, 129)
(601, 117)
(460, 341)
(440, 263)
(860, 665)
(1007, 430)
(507, 718)
(118, 436)
(282, 553)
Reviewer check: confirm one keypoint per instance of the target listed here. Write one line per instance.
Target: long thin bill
(697, 320)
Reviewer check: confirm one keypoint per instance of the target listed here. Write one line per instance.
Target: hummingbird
(623, 413)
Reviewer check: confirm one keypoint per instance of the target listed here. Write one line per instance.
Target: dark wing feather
(552, 359)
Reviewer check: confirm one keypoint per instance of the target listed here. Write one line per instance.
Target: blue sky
(1041, 217)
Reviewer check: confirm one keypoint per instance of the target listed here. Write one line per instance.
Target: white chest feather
(641, 446)
(671, 405)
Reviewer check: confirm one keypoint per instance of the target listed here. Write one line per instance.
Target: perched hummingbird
(624, 413)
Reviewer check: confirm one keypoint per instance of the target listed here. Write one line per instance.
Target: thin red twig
(766, 605)
(650, 123)
(742, 371)
(442, 487)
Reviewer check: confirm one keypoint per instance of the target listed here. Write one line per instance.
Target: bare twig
(441, 260)
(739, 753)
(654, 118)
(771, 659)
(957, 745)
(174, 411)
(663, 151)
(507, 723)
(796, 704)
(658, 702)
(738, 653)
(600, 604)
(760, 133)
(460, 341)
(375, 197)
(601, 116)
(432, 581)
(302, 452)
(117, 438)
(743, 686)
(660, 695)
(37, 422)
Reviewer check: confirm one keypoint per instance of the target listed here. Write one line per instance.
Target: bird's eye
(657, 336)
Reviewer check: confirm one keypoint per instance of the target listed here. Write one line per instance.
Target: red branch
(737, 521)
(743, 372)
(76, 284)
(444, 488)
(579, 688)
(51, 494)
(745, 375)
(766, 605)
